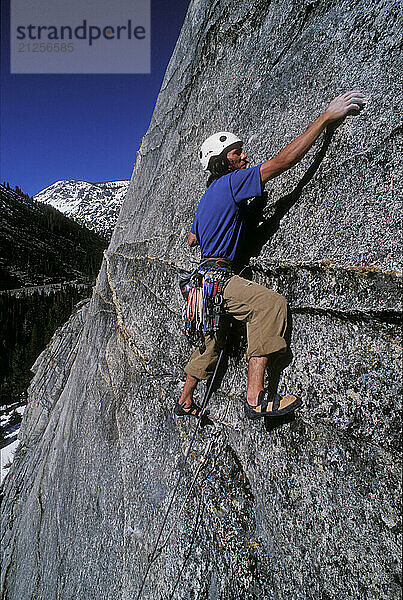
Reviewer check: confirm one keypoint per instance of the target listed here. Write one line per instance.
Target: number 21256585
(46, 47)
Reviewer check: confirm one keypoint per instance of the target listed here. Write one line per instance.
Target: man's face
(237, 158)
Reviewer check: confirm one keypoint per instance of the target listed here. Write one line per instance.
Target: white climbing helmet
(215, 144)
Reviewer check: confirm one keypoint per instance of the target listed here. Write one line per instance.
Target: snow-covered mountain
(94, 205)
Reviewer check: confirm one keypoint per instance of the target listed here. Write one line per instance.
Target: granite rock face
(307, 509)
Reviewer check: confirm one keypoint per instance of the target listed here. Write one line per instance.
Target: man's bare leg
(256, 371)
(187, 392)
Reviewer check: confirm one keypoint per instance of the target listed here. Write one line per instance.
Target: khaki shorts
(265, 314)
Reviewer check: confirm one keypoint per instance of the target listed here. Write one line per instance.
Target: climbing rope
(196, 525)
(158, 549)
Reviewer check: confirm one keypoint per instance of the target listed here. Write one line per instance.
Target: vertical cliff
(306, 510)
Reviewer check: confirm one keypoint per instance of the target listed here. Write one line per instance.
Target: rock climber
(218, 228)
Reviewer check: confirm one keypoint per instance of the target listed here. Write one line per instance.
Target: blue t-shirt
(219, 224)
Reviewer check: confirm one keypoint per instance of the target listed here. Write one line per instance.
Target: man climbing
(218, 228)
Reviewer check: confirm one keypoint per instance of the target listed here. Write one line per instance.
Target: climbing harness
(158, 549)
(202, 291)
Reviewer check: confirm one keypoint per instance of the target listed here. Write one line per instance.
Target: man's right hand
(340, 107)
(192, 240)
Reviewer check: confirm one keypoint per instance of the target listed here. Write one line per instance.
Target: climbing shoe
(190, 411)
(271, 405)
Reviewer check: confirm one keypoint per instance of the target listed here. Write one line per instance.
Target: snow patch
(7, 457)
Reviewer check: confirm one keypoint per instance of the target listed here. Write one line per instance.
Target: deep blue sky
(85, 127)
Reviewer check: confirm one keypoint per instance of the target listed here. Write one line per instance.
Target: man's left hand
(346, 104)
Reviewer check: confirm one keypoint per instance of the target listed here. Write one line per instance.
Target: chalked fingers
(350, 102)
(353, 93)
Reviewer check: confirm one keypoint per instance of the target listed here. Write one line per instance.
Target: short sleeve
(246, 183)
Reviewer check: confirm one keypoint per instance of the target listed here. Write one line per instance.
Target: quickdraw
(202, 291)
